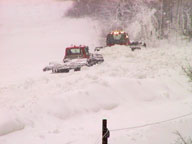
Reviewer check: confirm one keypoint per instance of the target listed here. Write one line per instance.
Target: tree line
(152, 18)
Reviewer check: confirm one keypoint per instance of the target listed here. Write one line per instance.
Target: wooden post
(105, 132)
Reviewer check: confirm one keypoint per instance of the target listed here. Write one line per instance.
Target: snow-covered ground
(129, 88)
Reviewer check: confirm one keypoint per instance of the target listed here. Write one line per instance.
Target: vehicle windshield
(75, 51)
(117, 36)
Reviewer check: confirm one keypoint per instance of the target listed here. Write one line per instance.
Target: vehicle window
(87, 51)
(117, 36)
(68, 52)
(75, 51)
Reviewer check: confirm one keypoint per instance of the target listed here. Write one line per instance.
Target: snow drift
(9, 123)
(129, 88)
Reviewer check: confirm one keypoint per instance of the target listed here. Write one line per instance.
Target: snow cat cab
(76, 52)
(75, 58)
(119, 37)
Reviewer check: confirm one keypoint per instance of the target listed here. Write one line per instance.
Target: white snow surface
(129, 88)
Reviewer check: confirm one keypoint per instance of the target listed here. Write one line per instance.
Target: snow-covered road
(129, 88)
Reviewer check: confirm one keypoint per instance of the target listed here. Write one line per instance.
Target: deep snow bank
(125, 78)
(9, 123)
(33, 33)
(129, 88)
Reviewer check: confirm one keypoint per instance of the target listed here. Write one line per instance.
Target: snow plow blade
(66, 67)
(59, 68)
(133, 46)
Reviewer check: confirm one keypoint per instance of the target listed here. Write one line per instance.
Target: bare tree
(158, 18)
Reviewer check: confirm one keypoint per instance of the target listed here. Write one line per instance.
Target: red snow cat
(119, 37)
(75, 58)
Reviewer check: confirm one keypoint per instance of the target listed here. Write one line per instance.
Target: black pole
(105, 132)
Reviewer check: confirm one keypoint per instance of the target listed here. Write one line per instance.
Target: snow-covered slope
(33, 33)
(129, 88)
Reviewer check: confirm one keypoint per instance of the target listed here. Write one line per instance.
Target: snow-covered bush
(182, 140)
(165, 16)
(135, 17)
(188, 71)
